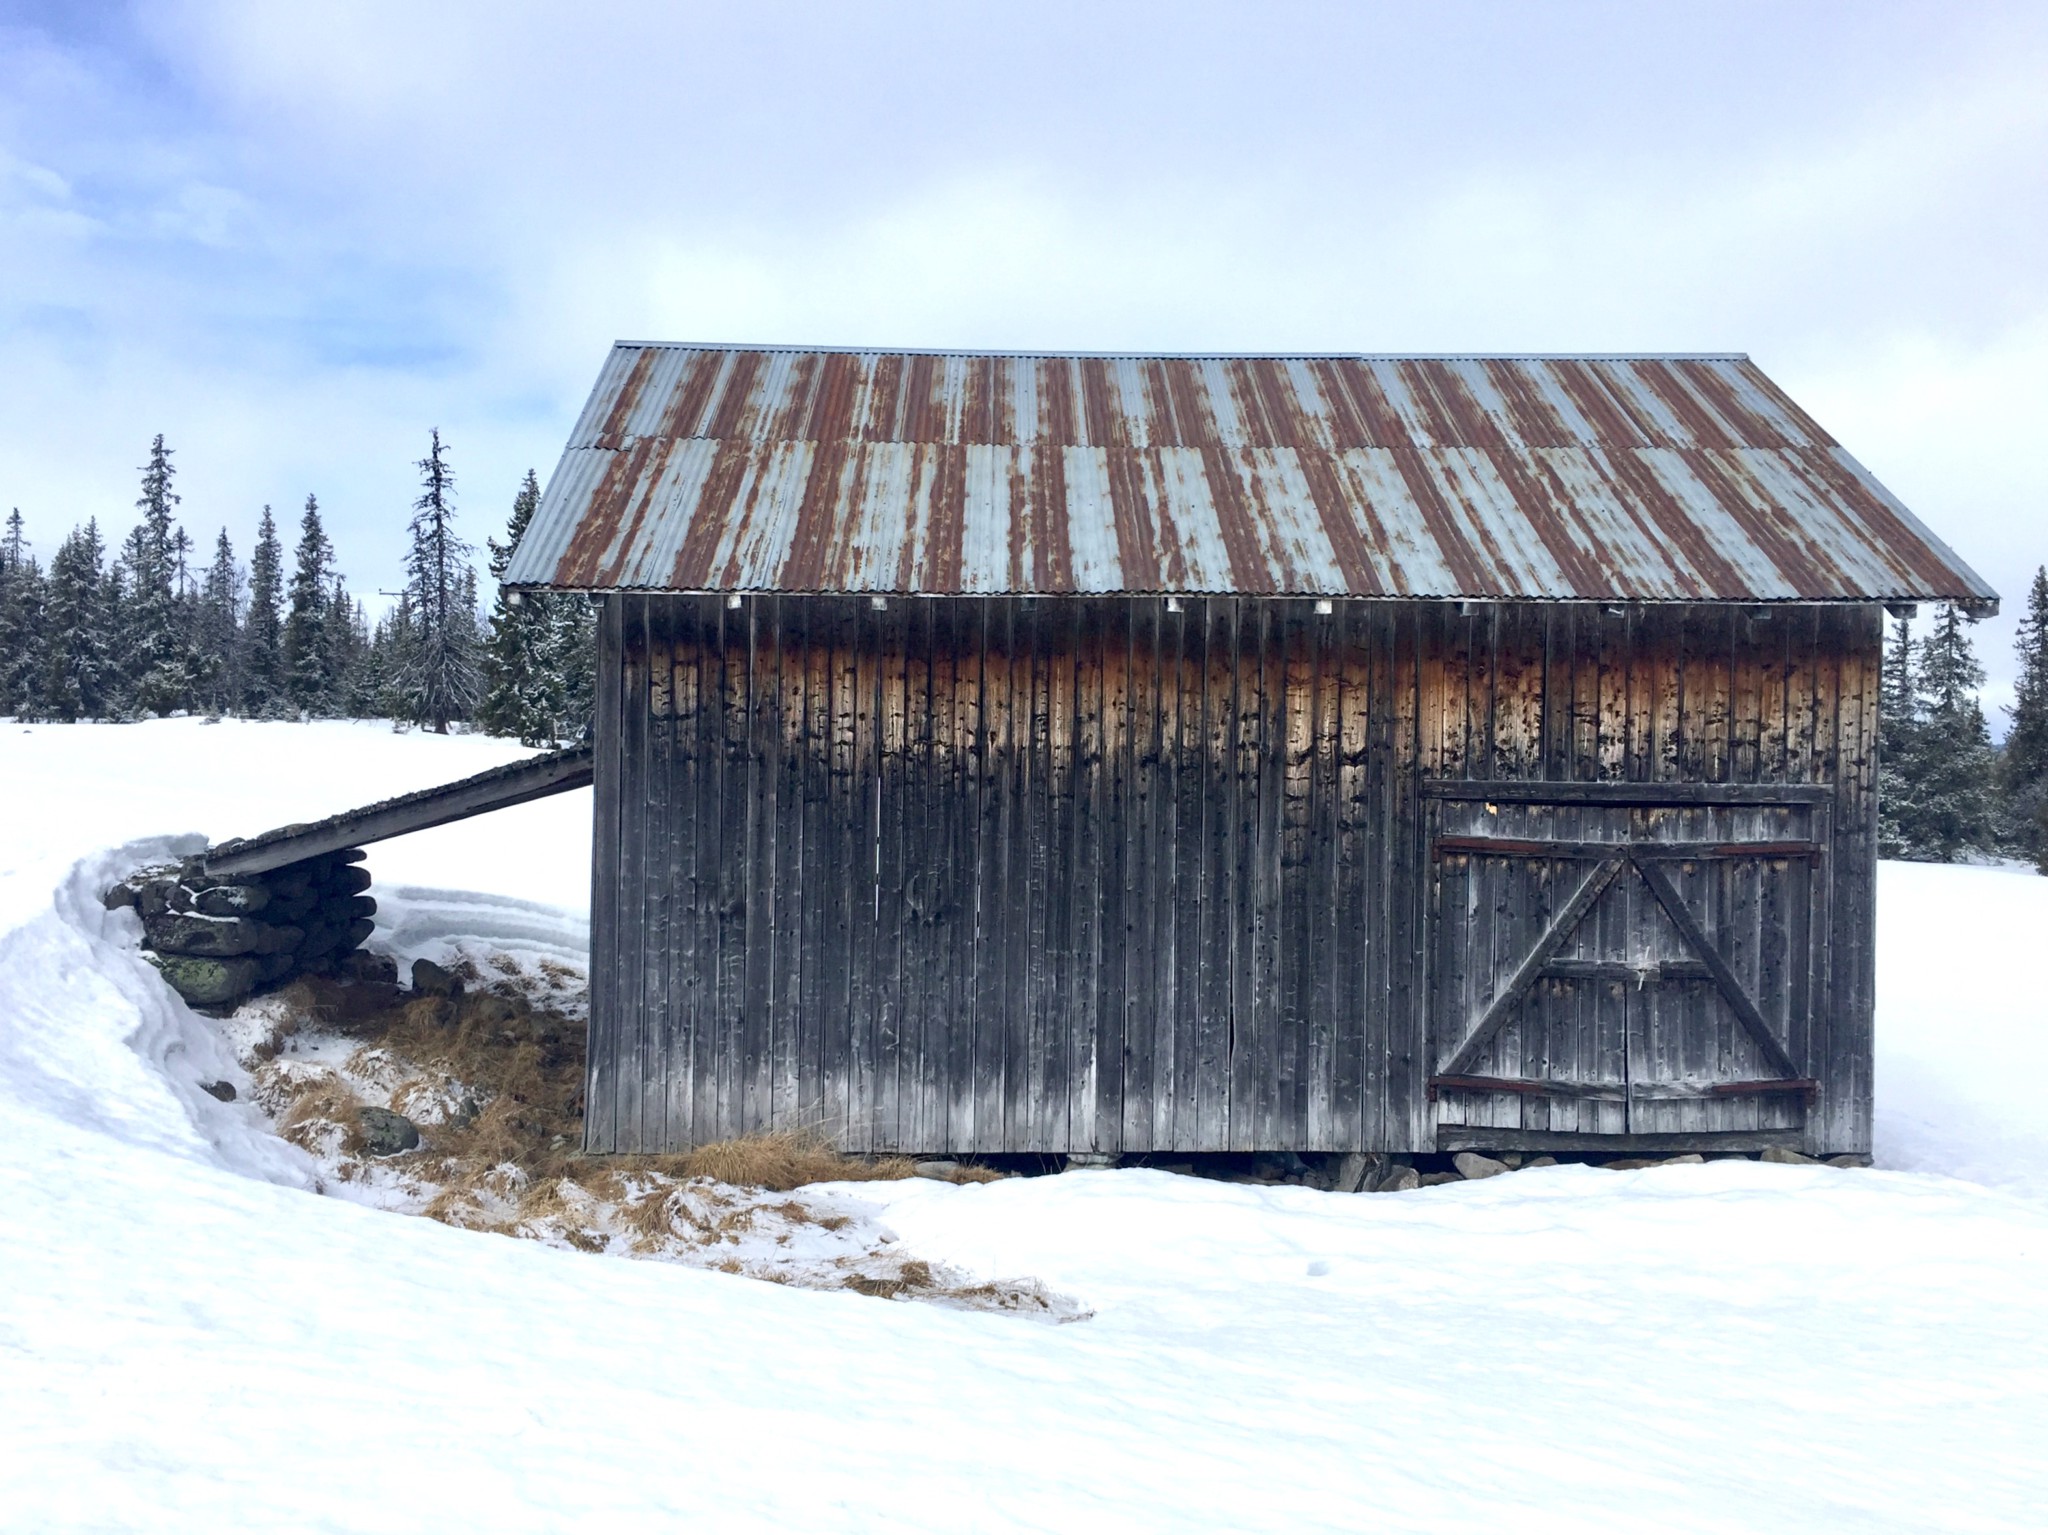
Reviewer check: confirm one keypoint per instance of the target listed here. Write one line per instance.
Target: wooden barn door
(1605, 969)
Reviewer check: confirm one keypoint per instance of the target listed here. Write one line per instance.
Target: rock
(386, 1134)
(431, 980)
(224, 1091)
(292, 908)
(1080, 1160)
(322, 939)
(277, 939)
(368, 969)
(357, 933)
(153, 898)
(1431, 1180)
(1786, 1154)
(121, 895)
(208, 982)
(276, 966)
(1849, 1159)
(943, 1171)
(231, 901)
(214, 937)
(1685, 1159)
(1398, 1179)
(1471, 1164)
(347, 881)
(290, 883)
(1540, 1162)
(1629, 1164)
(1356, 1170)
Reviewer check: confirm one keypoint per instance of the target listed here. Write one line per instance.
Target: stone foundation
(218, 939)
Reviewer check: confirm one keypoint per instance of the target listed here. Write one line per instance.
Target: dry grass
(519, 1068)
(322, 1117)
(967, 1173)
(494, 1080)
(786, 1160)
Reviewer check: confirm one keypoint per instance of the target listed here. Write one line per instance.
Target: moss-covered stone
(386, 1134)
(208, 982)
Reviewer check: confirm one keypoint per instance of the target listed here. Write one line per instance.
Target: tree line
(1945, 792)
(147, 630)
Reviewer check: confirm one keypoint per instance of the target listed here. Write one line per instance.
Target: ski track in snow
(191, 1339)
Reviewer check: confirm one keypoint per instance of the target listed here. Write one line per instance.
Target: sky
(294, 238)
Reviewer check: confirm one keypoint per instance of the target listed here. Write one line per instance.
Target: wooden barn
(1075, 754)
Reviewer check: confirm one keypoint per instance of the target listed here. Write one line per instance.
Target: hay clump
(787, 1159)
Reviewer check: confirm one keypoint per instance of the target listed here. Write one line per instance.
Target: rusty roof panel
(697, 468)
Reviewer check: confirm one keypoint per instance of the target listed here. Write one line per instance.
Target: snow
(1962, 1028)
(190, 1338)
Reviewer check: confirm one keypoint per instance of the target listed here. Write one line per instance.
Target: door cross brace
(1567, 921)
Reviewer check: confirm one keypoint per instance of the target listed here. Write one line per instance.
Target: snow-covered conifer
(1951, 766)
(217, 628)
(21, 622)
(441, 680)
(575, 661)
(1897, 740)
(524, 689)
(390, 659)
(308, 651)
(78, 630)
(262, 681)
(156, 631)
(2024, 764)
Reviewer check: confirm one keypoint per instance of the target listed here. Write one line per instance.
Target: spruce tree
(1898, 735)
(575, 662)
(218, 629)
(1951, 763)
(442, 682)
(263, 689)
(78, 630)
(2023, 768)
(21, 623)
(348, 641)
(391, 660)
(523, 693)
(155, 630)
(308, 644)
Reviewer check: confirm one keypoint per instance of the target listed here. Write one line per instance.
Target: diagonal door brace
(1725, 979)
(1498, 1010)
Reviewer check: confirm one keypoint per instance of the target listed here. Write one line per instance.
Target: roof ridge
(1217, 356)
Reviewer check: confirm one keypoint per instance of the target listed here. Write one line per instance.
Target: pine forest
(158, 626)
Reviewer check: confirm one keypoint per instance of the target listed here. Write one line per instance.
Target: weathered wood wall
(1008, 875)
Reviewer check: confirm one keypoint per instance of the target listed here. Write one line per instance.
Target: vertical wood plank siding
(1079, 874)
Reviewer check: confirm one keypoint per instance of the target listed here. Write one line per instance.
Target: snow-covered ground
(190, 1339)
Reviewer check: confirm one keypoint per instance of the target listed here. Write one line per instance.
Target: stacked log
(219, 938)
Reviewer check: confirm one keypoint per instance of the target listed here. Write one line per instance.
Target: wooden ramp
(514, 784)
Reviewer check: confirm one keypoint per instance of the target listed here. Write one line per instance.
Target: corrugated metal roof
(724, 468)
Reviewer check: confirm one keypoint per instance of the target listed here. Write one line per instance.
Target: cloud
(294, 238)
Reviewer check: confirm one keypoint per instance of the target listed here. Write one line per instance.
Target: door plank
(1553, 939)
(1724, 978)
